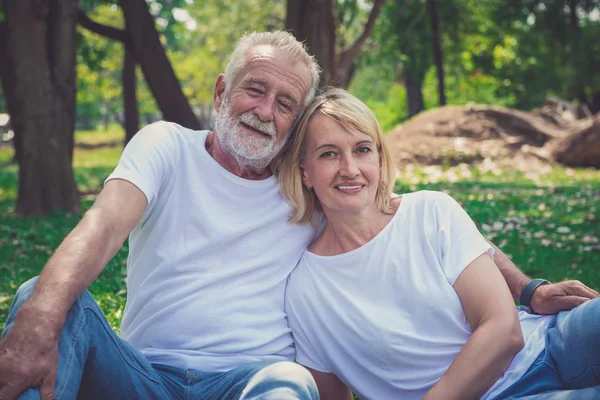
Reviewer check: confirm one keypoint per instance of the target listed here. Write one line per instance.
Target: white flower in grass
(589, 239)
(563, 229)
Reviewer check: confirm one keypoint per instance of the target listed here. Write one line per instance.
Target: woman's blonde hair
(350, 112)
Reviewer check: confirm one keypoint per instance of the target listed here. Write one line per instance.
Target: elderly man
(210, 252)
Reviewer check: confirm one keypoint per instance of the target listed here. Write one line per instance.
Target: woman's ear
(305, 178)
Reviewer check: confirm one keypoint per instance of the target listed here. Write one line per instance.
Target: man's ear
(219, 92)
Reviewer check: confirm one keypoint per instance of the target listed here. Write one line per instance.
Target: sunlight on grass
(113, 134)
(102, 157)
(6, 154)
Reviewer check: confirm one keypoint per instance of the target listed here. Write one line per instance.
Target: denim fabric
(95, 363)
(569, 367)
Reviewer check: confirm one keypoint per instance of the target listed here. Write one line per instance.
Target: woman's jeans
(94, 363)
(569, 367)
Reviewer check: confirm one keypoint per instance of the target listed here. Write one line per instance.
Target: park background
(495, 102)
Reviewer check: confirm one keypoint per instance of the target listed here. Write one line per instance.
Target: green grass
(547, 221)
(100, 136)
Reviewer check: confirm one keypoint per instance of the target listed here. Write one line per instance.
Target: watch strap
(529, 290)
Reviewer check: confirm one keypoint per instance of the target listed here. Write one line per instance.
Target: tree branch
(348, 56)
(103, 30)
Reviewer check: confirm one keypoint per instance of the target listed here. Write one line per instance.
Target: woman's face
(341, 165)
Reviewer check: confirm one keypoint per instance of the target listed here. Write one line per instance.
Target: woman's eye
(364, 149)
(327, 154)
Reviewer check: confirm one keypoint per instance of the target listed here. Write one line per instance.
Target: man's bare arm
(29, 352)
(88, 248)
(514, 277)
(547, 299)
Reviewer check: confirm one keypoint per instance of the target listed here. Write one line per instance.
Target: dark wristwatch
(528, 292)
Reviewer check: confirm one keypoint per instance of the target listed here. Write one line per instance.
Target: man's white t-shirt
(385, 317)
(209, 260)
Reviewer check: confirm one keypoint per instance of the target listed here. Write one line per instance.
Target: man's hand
(562, 296)
(28, 358)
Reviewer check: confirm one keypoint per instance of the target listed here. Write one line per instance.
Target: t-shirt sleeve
(148, 160)
(300, 322)
(460, 242)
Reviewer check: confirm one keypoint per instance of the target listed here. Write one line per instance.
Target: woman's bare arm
(496, 338)
(330, 387)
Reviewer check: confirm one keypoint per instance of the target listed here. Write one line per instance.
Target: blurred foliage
(507, 52)
(99, 62)
(512, 53)
(198, 38)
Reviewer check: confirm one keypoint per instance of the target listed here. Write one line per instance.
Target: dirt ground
(510, 138)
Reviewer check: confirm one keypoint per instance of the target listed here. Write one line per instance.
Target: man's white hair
(282, 41)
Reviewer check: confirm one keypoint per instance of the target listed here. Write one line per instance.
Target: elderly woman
(398, 298)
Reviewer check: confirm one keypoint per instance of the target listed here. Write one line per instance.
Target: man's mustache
(268, 128)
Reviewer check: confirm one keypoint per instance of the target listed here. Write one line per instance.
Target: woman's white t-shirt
(385, 317)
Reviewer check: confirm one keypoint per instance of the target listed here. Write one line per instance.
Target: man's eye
(255, 90)
(287, 107)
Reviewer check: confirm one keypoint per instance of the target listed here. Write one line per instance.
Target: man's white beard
(249, 150)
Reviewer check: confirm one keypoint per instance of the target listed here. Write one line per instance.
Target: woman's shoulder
(429, 195)
(428, 199)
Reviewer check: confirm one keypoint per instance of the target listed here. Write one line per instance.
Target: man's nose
(265, 108)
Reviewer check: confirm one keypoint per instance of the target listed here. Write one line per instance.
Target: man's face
(254, 118)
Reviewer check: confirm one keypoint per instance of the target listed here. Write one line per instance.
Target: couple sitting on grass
(396, 297)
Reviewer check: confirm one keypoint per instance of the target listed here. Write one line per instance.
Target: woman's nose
(349, 167)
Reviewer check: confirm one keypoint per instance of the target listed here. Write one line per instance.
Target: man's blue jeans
(569, 367)
(94, 363)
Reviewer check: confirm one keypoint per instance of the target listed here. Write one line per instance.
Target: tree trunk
(312, 22)
(130, 107)
(106, 114)
(8, 88)
(41, 46)
(151, 56)
(62, 54)
(414, 92)
(437, 51)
